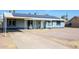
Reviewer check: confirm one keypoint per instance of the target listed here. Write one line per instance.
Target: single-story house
(74, 22)
(31, 21)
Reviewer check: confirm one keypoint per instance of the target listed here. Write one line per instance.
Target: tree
(12, 11)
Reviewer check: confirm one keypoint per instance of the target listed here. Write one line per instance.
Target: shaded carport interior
(5, 25)
(6, 19)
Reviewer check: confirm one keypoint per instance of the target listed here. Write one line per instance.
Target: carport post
(25, 24)
(5, 26)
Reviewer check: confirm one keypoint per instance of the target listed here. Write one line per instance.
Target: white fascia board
(32, 18)
(48, 19)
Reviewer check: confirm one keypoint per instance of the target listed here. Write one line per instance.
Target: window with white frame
(58, 23)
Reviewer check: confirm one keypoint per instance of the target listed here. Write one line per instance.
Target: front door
(38, 24)
(29, 24)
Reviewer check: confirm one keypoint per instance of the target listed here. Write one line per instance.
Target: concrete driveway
(35, 39)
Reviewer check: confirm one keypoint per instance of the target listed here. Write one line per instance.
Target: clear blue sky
(57, 13)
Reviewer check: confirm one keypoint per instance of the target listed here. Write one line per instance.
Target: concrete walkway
(32, 39)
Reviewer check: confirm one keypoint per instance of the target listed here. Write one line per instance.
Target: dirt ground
(44, 38)
(6, 42)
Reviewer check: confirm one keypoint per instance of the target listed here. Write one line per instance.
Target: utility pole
(67, 16)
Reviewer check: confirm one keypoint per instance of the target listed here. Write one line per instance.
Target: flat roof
(32, 16)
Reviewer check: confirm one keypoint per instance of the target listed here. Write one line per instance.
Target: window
(58, 22)
(48, 22)
(52, 22)
(11, 22)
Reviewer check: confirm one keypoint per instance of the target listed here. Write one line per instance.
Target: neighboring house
(74, 22)
(31, 21)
